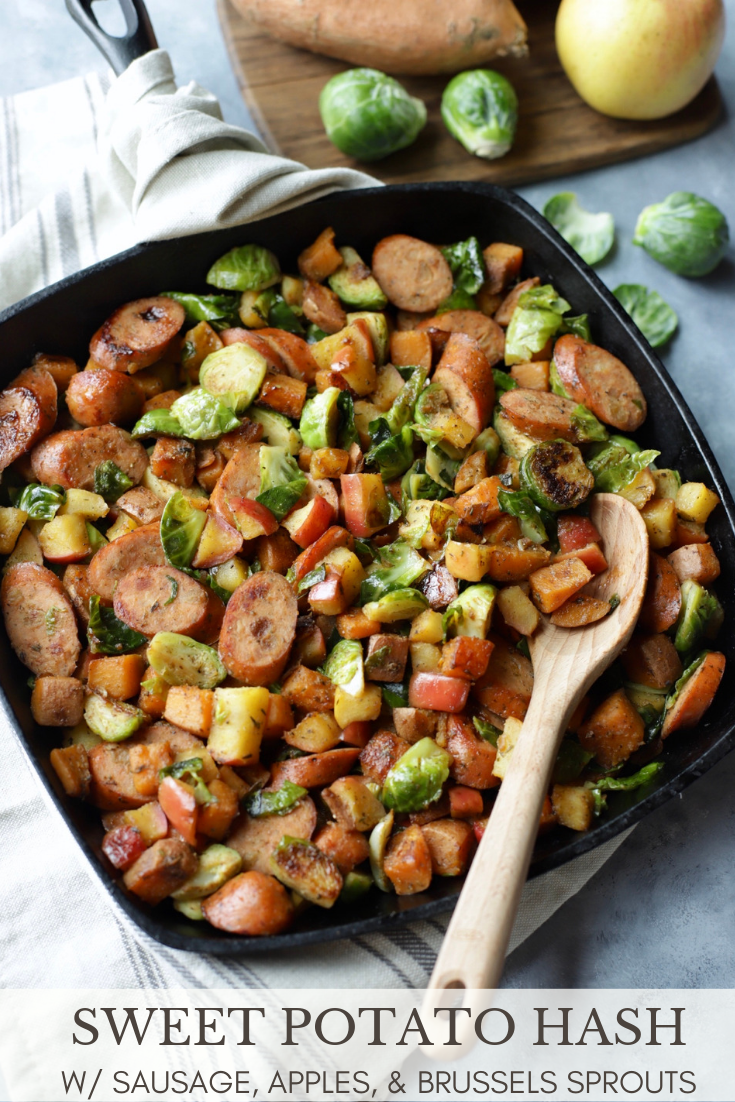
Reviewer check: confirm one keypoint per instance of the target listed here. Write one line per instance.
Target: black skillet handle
(119, 51)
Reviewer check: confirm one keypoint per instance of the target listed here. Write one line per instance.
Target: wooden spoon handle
(476, 941)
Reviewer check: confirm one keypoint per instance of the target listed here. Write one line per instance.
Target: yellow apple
(639, 59)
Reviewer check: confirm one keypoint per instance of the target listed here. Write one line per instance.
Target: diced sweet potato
(518, 611)
(465, 657)
(506, 686)
(316, 770)
(651, 660)
(697, 561)
(309, 648)
(451, 844)
(503, 263)
(465, 803)
(662, 602)
(190, 708)
(381, 754)
(386, 658)
(573, 806)
(119, 676)
(57, 701)
(410, 348)
(687, 531)
(408, 862)
(279, 717)
(553, 585)
(480, 504)
(322, 257)
(357, 733)
(531, 376)
(276, 552)
(591, 555)
(347, 848)
(328, 462)
(353, 804)
(614, 731)
(309, 691)
(696, 696)
(473, 758)
(153, 693)
(354, 624)
(216, 816)
(283, 394)
(146, 761)
(514, 562)
(71, 766)
(579, 611)
(315, 734)
(161, 870)
(548, 816)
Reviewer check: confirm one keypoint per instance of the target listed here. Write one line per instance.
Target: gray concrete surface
(660, 913)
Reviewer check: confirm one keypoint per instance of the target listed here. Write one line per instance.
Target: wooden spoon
(565, 664)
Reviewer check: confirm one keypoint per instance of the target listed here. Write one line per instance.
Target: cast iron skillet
(62, 318)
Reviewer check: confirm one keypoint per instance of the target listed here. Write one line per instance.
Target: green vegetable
(417, 778)
(260, 803)
(277, 429)
(157, 422)
(180, 660)
(392, 455)
(246, 268)
(320, 419)
(312, 578)
(416, 484)
(402, 409)
(347, 434)
(586, 425)
(471, 612)
(700, 616)
(441, 468)
(190, 908)
(570, 761)
(354, 284)
(395, 695)
(95, 537)
(112, 720)
(378, 329)
(369, 115)
(219, 310)
(615, 478)
(282, 482)
(356, 885)
(622, 784)
(432, 400)
(378, 843)
(536, 319)
(686, 675)
(181, 528)
(107, 634)
(486, 731)
(591, 235)
(344, 666)
(654, 317)
(109, 481)
(554, 476)
(283, 316)
(503, 381)
(458, 300)
(685, 233)
(314, 334)
(217, 865)
(188, 771)
(480, 110)
(41, 502)
(400, 566)
(203, 416)
(467, 264)
(399, 604)
(555, 383)
(518, 503)
(513, 442)
(488, 441)
(579, 325)
(234, 374)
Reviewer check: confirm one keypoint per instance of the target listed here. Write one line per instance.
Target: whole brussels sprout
(685, 233)
(480, 110)
(369, 115)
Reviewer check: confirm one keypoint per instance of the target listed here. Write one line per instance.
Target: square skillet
(62, 318)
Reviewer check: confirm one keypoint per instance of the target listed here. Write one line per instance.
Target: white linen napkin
(82, 177)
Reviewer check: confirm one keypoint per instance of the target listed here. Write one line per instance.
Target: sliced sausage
(505, 311)
(467, 377)
(259, 629)
(322, 307)
(102, 396)
(413, 274)
(540, 414)
(40, 380)
(160, 598)
(22, 424)
(177, 738)
(294, 351)
(163, 868)
(136, 334)
(117, 559)
(662, 602)
(253, 904)
(113, 781)
(69, 458)
(255, 839)
(315, 770)
(599, 380)
(240, 478)
(482, 329)
(78, 589)
(39, 620)
(696, 696)
(270, 354)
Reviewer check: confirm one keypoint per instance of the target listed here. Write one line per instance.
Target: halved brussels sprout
(555, 476)
(109, 481)
(399, 604)
(480, 110)
(112, 720)
(211, 308)
(282, 482)
(378, 844)
(277, 429)
(180, 660)
(654, 317)
(356, 885)
(344, 666)
(320, 419)
(441, 468)
(700, 617)
(246, 268)
(536, 319)
(378, 328)
(369, 115)
(392, 455)
(399, 567)
(303, 868)
(416, 483)
(234, 374)
(181, 528)
(417, 778)
(217, 865)
(684, 232)
(590, 235)
(354, 283)
(471, 612)
(514, 442)
(202, 416)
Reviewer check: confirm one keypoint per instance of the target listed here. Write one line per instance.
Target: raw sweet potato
(614, 731)
(696, 696)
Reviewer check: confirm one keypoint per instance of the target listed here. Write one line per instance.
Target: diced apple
(695, 501)
(219, 543)
(468, 561)
(366, 505)
(64, 539)
(349, 353)
(307, 524)
(122, 526)
(356, 709)
(238, 724)
(252, 518)
(11, 526)
(89, 505)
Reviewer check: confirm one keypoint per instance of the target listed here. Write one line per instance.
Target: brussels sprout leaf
(486, 731)
(579, 325)
(344, 666)
(246, 268)
(417, 778)
(109, 481)
(537, 317)
(259, 803)
(346, 431)
(517, 503)
(282, 482)
(654, 317)
(586, 425)
(181, 527)
(467, 264)
(157, 422)
(591, 235)
(203, 416)
(219, 310)
(458, 300)
(400, 566)
(41, 502)
(281, 316)
(503, 381)
(107, 634)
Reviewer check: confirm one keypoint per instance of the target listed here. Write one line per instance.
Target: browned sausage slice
(177, 738)
(22, 424)
(294, 351)
(40, 380)
(160, 598)
(113, 782)
(39, 620)
(125, 554)
(102, 396)
(136, 334)
(600, 381)
(259, 629)
(505, 311)
(467, 377)
(69, 458)
(240, 478)
(322, 307)
(541, 415)
(270, 354)
(255, 839)
(413, 274)
(482, 329)
(161, 870)
(253, 904)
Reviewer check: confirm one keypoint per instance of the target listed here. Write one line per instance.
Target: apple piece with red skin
(575, 532)
(180, 807)
(466, 375)
(366, 505)
(150, 820)
(64, 539)
(358, 733)
(311, 556)
(218, 543)
(252, 518)
(437, 693)
(123, 845)
(309, 523)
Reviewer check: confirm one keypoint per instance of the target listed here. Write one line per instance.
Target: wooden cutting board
(557, 132)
